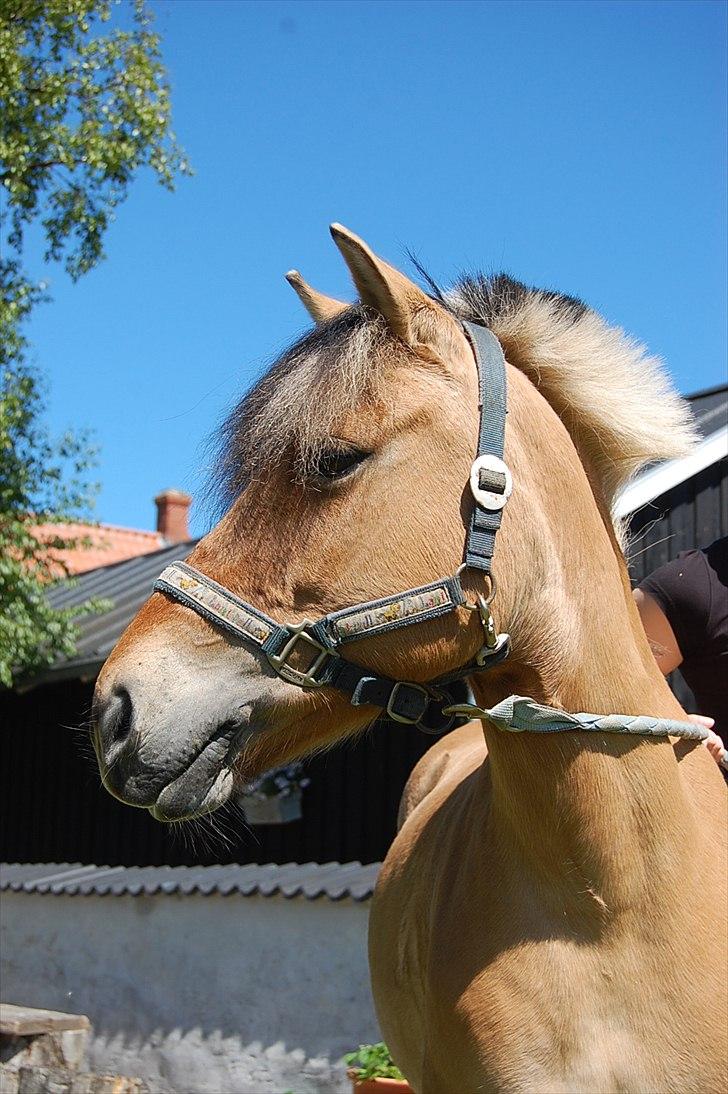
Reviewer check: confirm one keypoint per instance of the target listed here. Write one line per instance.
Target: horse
(548, 917)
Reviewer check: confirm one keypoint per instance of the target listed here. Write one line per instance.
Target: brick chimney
(173, 507)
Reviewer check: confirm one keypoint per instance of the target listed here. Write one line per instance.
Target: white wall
(199, 993)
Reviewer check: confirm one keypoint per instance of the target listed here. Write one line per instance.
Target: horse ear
(318, 306)
(379, 285)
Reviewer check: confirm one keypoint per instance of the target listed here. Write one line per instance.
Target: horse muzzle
(176, 775)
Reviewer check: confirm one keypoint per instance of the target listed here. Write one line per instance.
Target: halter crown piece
(433, 706)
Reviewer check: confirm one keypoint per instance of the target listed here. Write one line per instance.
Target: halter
(432, 706)
(421, 705)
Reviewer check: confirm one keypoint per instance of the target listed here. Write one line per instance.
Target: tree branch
(43, 165)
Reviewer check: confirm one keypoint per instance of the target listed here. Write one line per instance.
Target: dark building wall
(54, 809)
(692, 514)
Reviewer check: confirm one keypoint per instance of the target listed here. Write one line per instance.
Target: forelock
(290, 411)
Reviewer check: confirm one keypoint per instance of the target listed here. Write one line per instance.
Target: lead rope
(518, 714)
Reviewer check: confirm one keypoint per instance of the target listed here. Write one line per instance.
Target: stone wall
(199, 993)
(44, 1052)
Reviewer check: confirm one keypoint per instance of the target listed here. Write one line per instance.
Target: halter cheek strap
(317, 642)
(490, 479)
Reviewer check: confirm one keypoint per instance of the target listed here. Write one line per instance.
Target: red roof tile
(108, 543)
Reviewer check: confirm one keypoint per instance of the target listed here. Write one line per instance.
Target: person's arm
(659, 633)
(668, 656)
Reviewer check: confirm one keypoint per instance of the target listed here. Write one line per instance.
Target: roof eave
(72, 670)
(658, 480)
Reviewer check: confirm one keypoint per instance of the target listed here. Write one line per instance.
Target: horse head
(346, 472)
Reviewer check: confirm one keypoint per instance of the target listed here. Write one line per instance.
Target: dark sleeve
(682, 589)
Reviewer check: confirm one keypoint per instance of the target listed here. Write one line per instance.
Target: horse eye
(339, 462)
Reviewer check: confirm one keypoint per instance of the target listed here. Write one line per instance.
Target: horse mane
(616, 400)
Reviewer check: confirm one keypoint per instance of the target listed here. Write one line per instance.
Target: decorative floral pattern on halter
(216, 602)
(406, 607)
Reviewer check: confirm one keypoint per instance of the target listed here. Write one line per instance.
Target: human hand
(712, 742)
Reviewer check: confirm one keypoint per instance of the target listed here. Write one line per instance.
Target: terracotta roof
(109, 543)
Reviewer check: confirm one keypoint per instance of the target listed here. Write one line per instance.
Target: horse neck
(578, 805)
(590, 813)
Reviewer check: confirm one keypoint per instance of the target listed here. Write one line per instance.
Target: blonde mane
(616, 400)
(291, 410)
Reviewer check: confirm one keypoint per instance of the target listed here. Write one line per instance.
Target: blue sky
(579, 145)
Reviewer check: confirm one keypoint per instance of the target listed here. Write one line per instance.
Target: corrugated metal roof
(710, 408)
(333, 880)
(660, 478)
(127, 585)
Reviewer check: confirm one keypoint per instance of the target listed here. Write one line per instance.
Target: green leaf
(86, 106)
(373, 1062)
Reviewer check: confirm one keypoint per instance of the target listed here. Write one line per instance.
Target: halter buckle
(405, 719)
(299, 633)
(491, 470)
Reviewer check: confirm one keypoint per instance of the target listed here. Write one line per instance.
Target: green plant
(85, 106)
(373, 1062)
(42, 482)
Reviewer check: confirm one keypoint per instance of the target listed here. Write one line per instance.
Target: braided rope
(518, 714)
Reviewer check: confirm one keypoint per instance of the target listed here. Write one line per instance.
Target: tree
(41, 482)
(85, 106)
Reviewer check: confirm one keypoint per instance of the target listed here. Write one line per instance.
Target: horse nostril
(124, 717)
(114, 723)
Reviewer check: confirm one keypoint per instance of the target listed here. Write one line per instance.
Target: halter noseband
(422, 705)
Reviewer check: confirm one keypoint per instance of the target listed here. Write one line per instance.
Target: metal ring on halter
(474, 606)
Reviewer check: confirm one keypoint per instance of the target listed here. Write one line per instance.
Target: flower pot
(276, 810)
(378, 1086)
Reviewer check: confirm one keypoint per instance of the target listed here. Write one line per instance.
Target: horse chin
(184, 800)
(205, 785)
